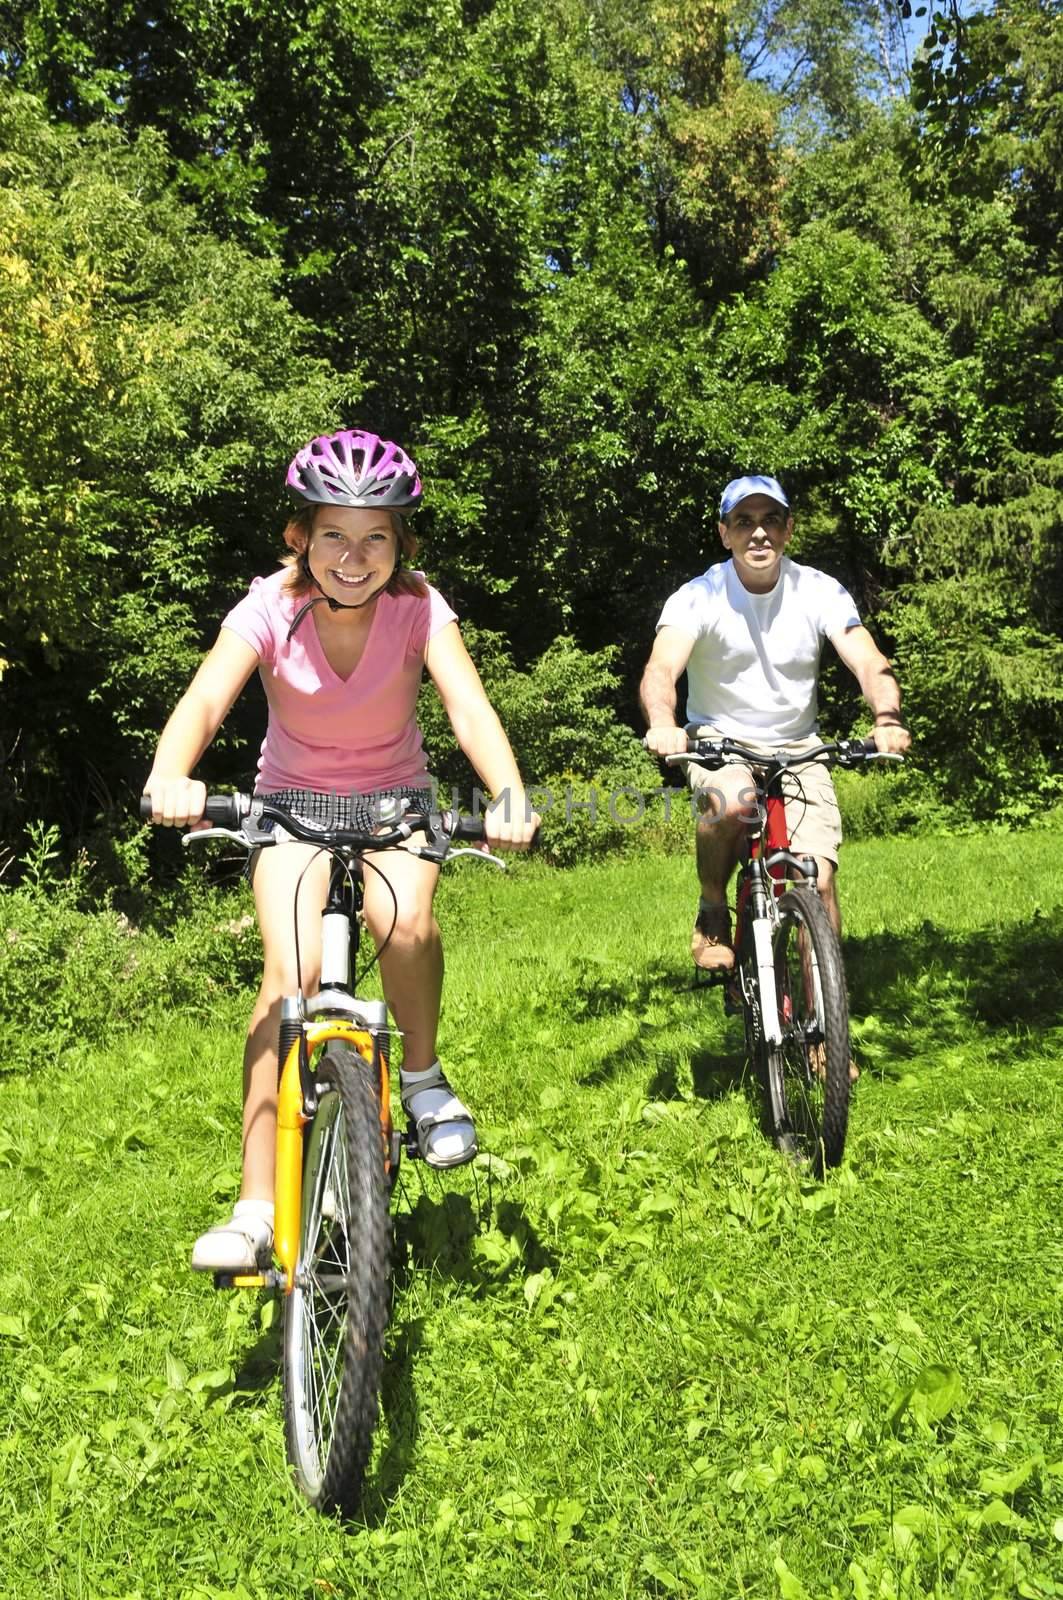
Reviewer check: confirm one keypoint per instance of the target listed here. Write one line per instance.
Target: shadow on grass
(400, 1417)
(714, 1073)
(435, 1232)
(261, 1363)
(931, 980)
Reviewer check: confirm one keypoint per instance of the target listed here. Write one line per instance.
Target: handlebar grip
(225, 810)
(221, 810)
(470, 828)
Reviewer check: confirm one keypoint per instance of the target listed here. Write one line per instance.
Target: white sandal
(443, 1110)
(243, 1244)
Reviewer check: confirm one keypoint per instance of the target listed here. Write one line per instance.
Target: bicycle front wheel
(337, 1311)
(808, 1073)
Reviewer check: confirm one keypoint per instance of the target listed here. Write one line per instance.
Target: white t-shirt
(753, 669)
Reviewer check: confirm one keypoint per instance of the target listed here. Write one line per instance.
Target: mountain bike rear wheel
(807, 1075)
(337, 1311)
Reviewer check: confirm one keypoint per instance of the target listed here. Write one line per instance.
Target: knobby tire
(806, 1078)
(337, 1312)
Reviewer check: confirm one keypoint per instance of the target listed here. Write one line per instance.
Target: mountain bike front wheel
(807, 1075)
(337, 1311)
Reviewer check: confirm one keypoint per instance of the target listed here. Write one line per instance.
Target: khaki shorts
(813, 819)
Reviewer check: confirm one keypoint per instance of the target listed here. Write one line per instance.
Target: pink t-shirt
(333, 734)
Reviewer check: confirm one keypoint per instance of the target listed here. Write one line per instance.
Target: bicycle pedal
(732, 1001)
(248, 1280)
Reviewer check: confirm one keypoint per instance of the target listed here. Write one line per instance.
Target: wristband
(894, 716)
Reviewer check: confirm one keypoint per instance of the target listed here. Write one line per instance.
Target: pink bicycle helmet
(355, 469)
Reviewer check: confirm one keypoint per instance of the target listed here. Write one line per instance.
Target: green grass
(632, 1354)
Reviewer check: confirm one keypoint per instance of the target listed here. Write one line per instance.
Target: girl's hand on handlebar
(176, 802)
(665, 740)
(512, 825)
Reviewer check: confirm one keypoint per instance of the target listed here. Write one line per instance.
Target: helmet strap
(321, 597)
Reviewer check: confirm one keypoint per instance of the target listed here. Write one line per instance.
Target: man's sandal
(431, 1104)
(817, 1060)
(710, 943)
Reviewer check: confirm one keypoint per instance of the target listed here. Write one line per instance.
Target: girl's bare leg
(275, 875)
(398, 910)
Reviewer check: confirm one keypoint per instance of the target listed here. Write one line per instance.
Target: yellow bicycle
(337, 1158)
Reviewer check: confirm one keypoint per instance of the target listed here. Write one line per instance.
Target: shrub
(70, 977)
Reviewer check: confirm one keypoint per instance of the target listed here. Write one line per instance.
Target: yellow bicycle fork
(291, 1121)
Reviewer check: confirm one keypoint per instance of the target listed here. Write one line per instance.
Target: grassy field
(632, 1354)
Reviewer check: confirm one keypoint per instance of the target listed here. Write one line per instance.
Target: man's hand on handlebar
(891, 739)
(665, 740)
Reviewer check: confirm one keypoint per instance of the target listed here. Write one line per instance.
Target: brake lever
(481, 855)
(213, 833)
(249, 836)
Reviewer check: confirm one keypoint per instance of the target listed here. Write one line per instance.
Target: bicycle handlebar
(839, 752)
(231, 811)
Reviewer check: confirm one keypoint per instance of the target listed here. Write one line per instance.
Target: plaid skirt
(356, 811)
(363, 812)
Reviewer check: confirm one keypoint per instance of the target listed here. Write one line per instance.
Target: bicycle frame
(761, 881)
(358, 1023)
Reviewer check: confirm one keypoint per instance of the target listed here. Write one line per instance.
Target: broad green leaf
(790, 1587)
(904, 1538)
(898, 1405)
(176, 1371)
(68, 1465)
(998, 1515)
(514, 1503)
(937, 1391)
(212, 1380)
(102, 1383)
(660, 1573)
(994, 1482)
(860, 1582)
(566, 1516)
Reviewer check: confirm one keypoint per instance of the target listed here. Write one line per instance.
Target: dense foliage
(588, 260)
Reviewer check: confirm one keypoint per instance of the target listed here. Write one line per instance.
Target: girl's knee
(279, 981)
(414, 931)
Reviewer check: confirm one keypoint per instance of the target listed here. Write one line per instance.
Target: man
(748, 634)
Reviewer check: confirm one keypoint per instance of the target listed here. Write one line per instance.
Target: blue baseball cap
(740, 488)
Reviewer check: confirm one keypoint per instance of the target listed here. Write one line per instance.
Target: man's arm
(878, 685)
(667, 663)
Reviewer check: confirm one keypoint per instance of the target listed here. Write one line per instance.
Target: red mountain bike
(789, 978)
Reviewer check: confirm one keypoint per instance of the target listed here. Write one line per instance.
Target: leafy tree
(150, 384)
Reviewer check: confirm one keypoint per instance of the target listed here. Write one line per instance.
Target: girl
(340, 637)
